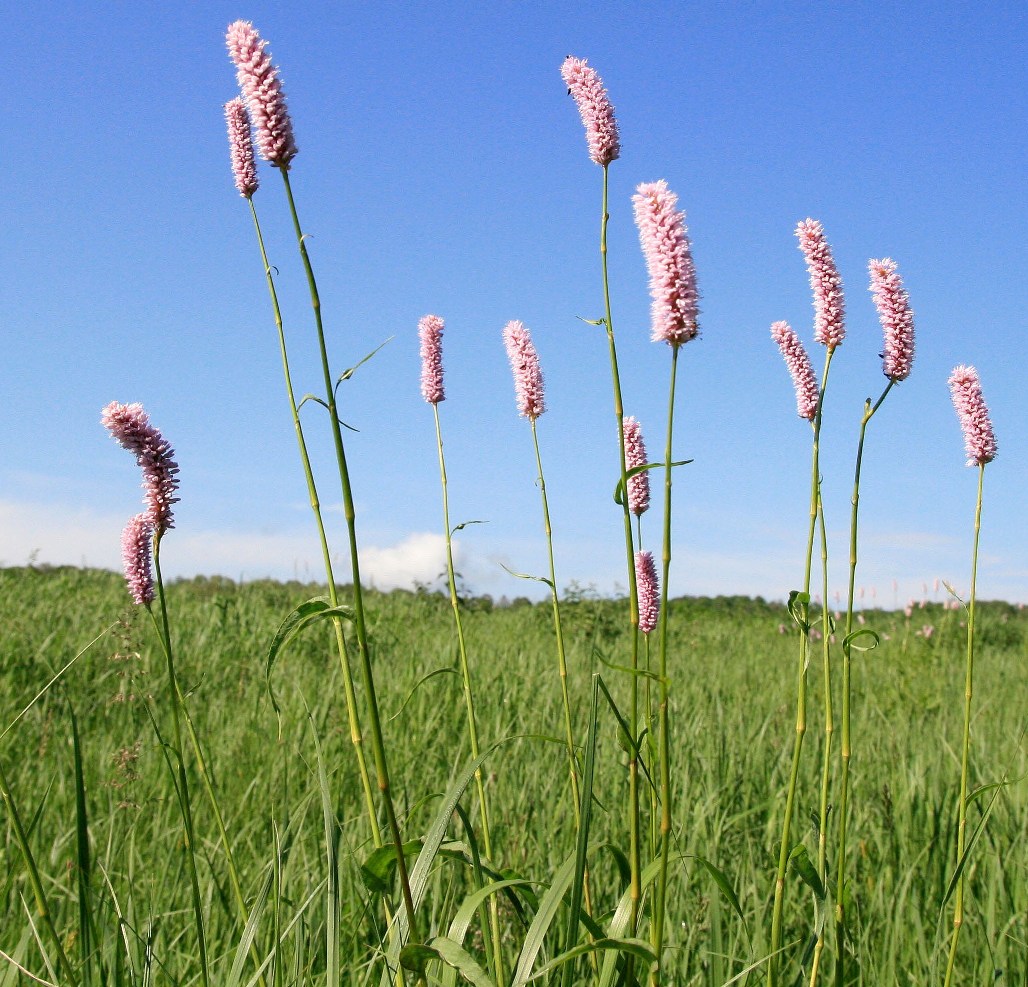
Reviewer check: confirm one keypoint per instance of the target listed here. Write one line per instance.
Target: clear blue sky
(443, 169)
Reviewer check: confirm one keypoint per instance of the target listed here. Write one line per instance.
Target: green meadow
(88, 768)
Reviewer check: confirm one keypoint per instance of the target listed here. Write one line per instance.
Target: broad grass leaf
(416, 958)
(800, 863)
(379, 870)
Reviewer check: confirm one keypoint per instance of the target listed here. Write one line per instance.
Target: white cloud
(59, 535)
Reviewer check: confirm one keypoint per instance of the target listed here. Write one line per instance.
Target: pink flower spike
(136, 558)
(829, 307)
(893, 304)
(524, 361)
(665, 244)
(798, 363)
(979, 438)
(130, 426)
(588, 92)
(430, 332)
(635, 455)
(262, 89)
(646, 584)
(240, 146)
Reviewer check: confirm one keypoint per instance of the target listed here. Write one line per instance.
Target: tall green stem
(360, 624)
(846, 751)
(469, 699)
(635, 895)
(826, 765)
(664, 726)
(353, 716)
(958, 899)
(802, 605)
(164, 633)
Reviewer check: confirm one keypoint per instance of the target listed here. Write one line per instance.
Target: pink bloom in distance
(635, 455)
(665, 244)
(430, 332)
(798, 364)
(589, 94)
(136, 558)
(829, 306)
(649, 598)
(893, 304)
(240, 147)
(130, 426)
(524, 362)
(979, 438)
(262, 89)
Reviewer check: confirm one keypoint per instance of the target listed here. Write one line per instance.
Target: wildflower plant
(980, 446)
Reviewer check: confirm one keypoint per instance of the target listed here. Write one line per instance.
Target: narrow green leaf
(722, 881)
(379, 870)
(84, 870)
(799, 602)
(348, 373)
(619, 489)
(971, 843)
(417, 957)
(800, 863)
(249, 932)
(635, 947)
(848, 645)
(591, 322)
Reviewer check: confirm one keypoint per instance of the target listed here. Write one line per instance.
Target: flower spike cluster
(665, 244)
(262, 89)
(136, 559)
(635, 455)
(649, 597)
(130, 426)
(829, 307)
(893, 304)
(240, 146)
(798, 363)
(979, 437)
(588, 92)
(430, 332)
(524, 362)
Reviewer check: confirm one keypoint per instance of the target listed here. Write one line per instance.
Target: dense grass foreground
(292, 802)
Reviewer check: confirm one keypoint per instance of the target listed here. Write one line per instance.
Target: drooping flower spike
(825, 283)
(665, 244)
(893, 304)
(524, 362)
(594, 106)
(136, 555)
(262, 89)
(130, 426)
(240, 146)
(635, 455)
(430, 332)
(798, 363)
(979, 437)
(649, 597)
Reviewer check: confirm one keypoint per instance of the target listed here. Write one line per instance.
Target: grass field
(127, 892)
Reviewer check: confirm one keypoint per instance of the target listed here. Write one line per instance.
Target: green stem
(826, 771)
(664, 728)
(803, 607)
(635, 894)
(958, 899)
(469, 702)
(353, 716)
(164, 633)
(367, 676)
(846, 751)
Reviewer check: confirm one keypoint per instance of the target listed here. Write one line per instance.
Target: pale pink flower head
(240, 147)
(665, 244)
(635, 455)
(893, 304)
(130, 426)
(649, 597)
(430, 332)
(798, 364)
(979, 438)
(524, 362)
(588, 92)
(262, 89)
(136, 558)
(825, 283)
